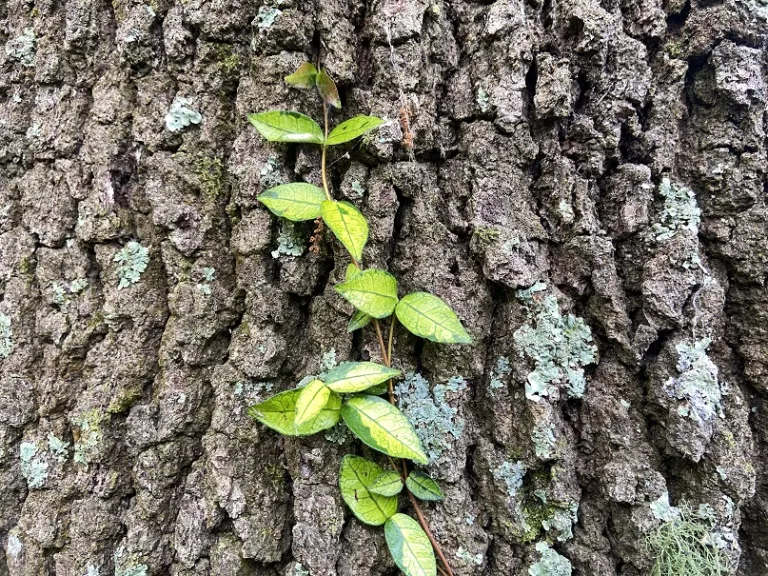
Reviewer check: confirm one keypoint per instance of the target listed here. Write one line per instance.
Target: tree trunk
(609, 154)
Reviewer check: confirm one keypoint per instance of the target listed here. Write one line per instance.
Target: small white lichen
(468, 557)
(482, 99)
(680, 212)
(289, 241)
(266, 17)
(14, 545)
(92, 570)
(357, 188)
(180, 115)
(133, 259)
(33, 468)
(6, 336)
(22, 48)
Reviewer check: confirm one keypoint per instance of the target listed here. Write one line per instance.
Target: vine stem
(386, 353)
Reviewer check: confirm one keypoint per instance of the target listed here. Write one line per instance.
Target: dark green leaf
(282, 126)
(297, 201)
(427, 316)
(304, 77)
(410, 546)
(355, 476)
(327, 89)
(350, 377)
(352, 128)
(383, 427)
(388, 483)
(423, 487)
(373, 292)
(279, 413)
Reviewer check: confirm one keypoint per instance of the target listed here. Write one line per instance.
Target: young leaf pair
(319, 406)
(409, 545)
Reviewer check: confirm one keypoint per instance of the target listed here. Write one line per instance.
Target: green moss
(25, 265)
(486, 235)
(123, 400)
(210, 172)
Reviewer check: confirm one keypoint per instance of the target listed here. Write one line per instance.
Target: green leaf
(373, 292)
(348, 224)
(297, 201)
(304, 77)
(350, 377)
(313, 397)
(355, 476)
(327, 89)
(383, 427)
(358, 320)
(410, 547)
(282, 126)
(279, 413)
(352, 128)
(423, 487)
(388, 483)
(428, 316)
(352, 271)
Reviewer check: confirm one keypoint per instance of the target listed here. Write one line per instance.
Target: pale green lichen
(58, 294)
(266, 17)
(510, 246)
(329, 361)
(680, 212)
(34, 131)
(468, 557)
(437, 423)
(209, 275)
(89, 437)
(33, 467)
(58, 448)
(691, 542)
(6, 336)
(270, 174)
(697, 386)
(512, 475)
(133, 259)
(339, 434)
(78, 285)
(357, 188)
(23, 48)
(180, 115)
(544, 441)
(14, 546)
(499, 372)
(561, 522)
(551, 563)
(560, 346)
(92, 570)
(483, 101)
(289, 241)
(128, 565)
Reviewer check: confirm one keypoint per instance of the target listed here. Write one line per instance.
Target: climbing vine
(353, 391)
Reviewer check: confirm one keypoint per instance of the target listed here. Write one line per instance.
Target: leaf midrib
(359, 410)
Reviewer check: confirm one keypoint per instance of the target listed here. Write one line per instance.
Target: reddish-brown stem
(425, 526)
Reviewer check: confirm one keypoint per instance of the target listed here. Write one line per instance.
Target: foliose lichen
(697, 386)
(128, 565)
(180, 115)
(481, 96)
(89, 437)
(560, 346)
(58, 447)
(680, 212)
(23, 48)
(14, 545)
(468, 557)
(91, 570)
(289, 241)
(436, 422)
(512, 475)
(6, 336)
(544, 441)
(266, 17)
(33, 467)
(270, 174)
(358, 189)
(133, 259)
(500, 370)
(551, 563)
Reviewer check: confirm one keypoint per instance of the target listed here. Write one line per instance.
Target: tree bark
(529, 143)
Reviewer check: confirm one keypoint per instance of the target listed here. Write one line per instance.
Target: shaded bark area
(528, 142)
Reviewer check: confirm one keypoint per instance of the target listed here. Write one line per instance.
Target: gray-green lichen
(180, 115)
(560, 346)
(697, 386)
(680, 212)
(482, 99)
(357, 188)
(469, 558)
(512, 475)
(500, 370)
(289, 241)
(33, 467)
(89, 437)
(128, 565)
(544, 441)
(298, 570)
(23, 47)
(133, 259)
(266, 17)
(437, 423)
(58, 447)
(6, 336)
(14, 546)
(551, 563)
(269, 173)
(91, 570)
(209, 275)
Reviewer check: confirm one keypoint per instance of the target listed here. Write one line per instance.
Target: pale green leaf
(383, 427)
(327, 89)
(410, 547)
(348, 224)
(314, 396)
(427, 316)
(373, 292)
(358, 320)
(355, 476)
(352, 271)
(423, 487)
(304, 77)
(296, 201)
(283, 126)
(388, 483)
(279, 413)
(350, 377)
(352, 128)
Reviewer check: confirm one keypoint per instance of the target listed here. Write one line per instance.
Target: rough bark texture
(542, 133)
